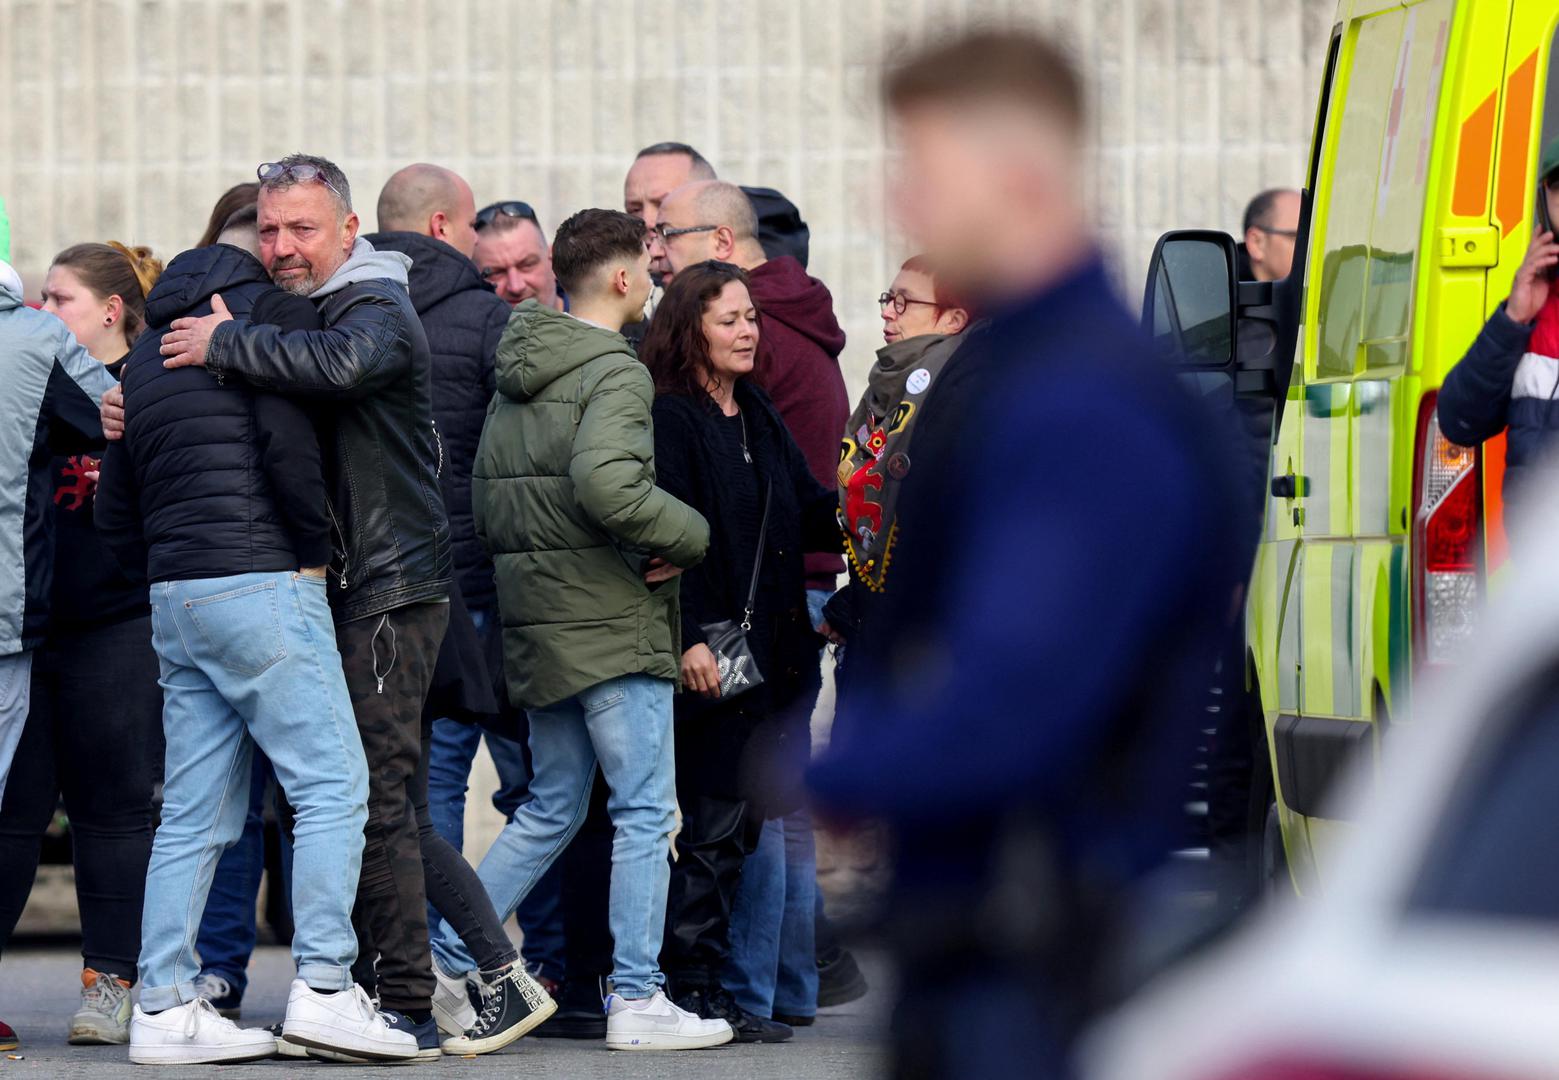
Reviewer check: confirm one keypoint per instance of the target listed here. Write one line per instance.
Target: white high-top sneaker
(452, 1006)
(345, 1021)
(656, 1024)
(194, 1034)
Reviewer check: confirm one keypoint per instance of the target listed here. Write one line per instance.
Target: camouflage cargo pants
(388, 660)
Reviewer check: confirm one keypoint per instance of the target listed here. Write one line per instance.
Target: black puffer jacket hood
(463, 319)
(780, 228)
(437, 272)
(212, 478)
(194, 276)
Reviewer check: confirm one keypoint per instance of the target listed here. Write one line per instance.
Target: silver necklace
(746, 454)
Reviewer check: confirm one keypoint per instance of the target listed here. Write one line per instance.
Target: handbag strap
(757, 559)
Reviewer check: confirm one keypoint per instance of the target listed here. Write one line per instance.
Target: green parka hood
(542, 344)
(564, 499)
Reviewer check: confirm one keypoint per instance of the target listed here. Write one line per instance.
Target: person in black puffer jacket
(463, 319)
(257, 500)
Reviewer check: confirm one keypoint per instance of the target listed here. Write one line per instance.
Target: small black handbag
(727, 639)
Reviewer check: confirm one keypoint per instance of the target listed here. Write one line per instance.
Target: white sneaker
(452, 1006)
(656, 1024)
(346, 1022)
(194, 1034)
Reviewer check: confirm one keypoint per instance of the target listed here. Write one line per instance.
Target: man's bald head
(433, 201)
(721, 225)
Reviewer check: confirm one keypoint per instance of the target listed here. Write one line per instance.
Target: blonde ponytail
(146, 266)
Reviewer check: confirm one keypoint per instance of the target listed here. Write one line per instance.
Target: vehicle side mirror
(1189, 307)
(1208, 323)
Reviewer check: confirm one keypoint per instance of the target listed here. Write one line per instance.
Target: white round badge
(919, 379)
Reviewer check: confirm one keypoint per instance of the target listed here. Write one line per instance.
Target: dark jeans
(1236, 802)
(94, 735)
(717, 836)
(388, 661)
(454, 890)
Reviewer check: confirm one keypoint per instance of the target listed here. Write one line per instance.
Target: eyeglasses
(273, 172)
(512, 208)
(1290, 233)
(666, 233)
(900, 301)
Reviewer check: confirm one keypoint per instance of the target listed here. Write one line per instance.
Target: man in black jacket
(216, 495)
(390, 587)
(426, 213)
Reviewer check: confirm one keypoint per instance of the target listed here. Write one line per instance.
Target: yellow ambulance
(1381, 538)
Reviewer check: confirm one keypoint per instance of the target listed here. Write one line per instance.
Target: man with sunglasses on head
(390, 576)
(513, 257)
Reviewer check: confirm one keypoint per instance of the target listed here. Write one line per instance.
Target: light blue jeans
(625, 724)
(251, 659)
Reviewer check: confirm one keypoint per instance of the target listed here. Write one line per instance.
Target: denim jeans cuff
(785, 1009)
(155, 999)
(326, 977)
(638, 990)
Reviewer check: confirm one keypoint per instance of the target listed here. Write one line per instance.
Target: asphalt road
(40, 988)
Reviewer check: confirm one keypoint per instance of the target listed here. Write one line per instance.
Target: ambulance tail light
(1447, 528)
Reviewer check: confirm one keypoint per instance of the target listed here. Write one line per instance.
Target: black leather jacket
(381, 451)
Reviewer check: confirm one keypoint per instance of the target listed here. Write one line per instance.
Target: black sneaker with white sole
(716, 1003)
(510, 1005)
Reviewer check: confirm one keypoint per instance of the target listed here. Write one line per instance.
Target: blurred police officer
(1062, 569)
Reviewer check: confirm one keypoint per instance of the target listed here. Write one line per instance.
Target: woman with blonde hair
(94, 732)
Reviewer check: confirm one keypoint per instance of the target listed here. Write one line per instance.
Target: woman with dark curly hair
(742, 735)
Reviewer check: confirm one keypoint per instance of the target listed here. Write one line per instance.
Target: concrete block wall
(124, 119)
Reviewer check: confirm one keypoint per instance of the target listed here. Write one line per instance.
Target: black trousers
(453, 887)
(388, 660)
(94, 735)
(717, 836)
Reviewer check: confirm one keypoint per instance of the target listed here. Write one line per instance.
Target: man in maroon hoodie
(799, 338)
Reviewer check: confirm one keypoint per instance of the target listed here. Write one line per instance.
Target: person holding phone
(1509, 378)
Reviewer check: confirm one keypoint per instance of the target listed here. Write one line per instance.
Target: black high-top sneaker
(511, 1005)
